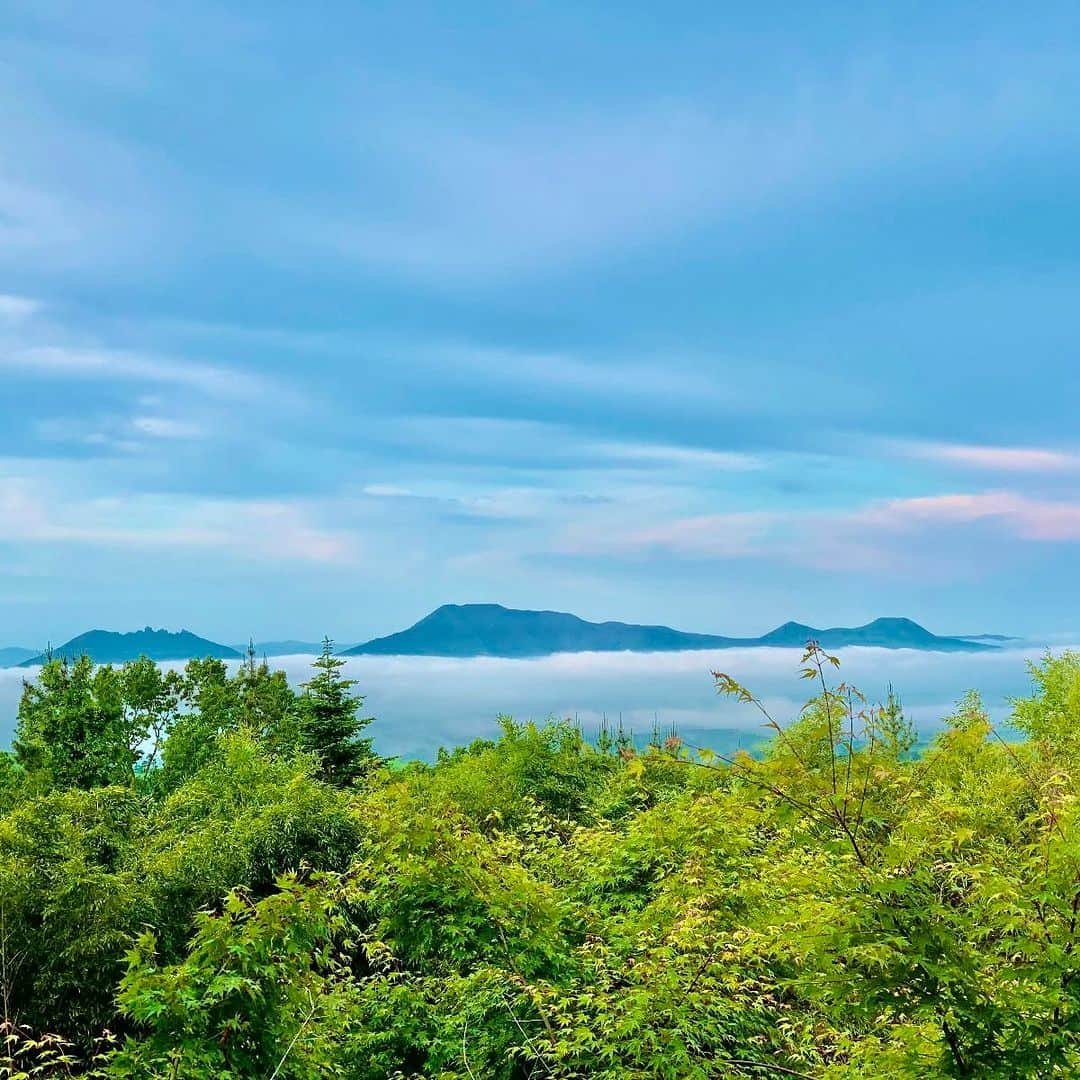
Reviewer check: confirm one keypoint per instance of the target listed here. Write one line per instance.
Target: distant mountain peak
(114, 647)
(897, 621)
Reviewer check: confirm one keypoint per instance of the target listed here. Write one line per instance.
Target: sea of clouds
(421, 703)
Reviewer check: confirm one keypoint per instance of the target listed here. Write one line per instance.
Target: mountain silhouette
(108, 647)
(465, 630)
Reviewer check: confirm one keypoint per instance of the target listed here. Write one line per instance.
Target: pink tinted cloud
(996, 458)
(260, 529)
(864, 538)
(1027, 518)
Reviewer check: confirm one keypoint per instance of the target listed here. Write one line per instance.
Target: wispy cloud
(715, 536)
(61, 361)
(858, 538)
(1025, 459)
(657, 312)
(116, 432)
(480, 502)
(164, 427)
(263, 530)
(14, 309)
(650, 454)
(484, 190)
(1050, 520)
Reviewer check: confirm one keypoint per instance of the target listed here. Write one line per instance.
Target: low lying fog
(423, 702)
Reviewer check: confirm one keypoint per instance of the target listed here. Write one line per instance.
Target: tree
(72, 726)
(151, 699)
(84, 726)
(329, 724)
(215, 704)
(242, 1002)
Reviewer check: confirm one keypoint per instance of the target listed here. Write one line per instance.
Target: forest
(210, 874)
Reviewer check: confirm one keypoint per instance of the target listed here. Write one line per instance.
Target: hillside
(13, 655)
(881, 633)
(464, 630)
(282, 648)
(493, 630)
(108, 647)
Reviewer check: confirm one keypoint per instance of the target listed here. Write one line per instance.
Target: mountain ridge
(113, 647)
(472, 630)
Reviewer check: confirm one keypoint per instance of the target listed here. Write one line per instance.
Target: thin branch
(748, 775)
(866, 782)
(850, 750)
(814, 650)
(526, 1036)
(299, 1032)
(464, 1050)
(1054, 822)
(741, 1063)
(770, 722)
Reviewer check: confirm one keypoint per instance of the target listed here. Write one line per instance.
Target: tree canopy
(208, 874)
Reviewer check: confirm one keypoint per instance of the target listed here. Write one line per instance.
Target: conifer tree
(330, 725)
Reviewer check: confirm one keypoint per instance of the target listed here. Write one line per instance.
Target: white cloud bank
(422, 702)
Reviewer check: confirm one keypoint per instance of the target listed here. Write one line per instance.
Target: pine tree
(330, 725)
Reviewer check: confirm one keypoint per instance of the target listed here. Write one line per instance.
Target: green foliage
(81, 726)
(237, 906)
(68, 905)
(244, 818)
(14, 783)
(25, 1055)
(84, 867)
(551, 769)
(214, 703)
(242, 1001)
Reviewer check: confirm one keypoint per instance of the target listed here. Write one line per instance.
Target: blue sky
(315, 317)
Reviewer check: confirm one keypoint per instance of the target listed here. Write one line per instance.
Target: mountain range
(464, 630)
(471, 630)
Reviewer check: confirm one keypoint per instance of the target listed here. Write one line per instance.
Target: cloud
(117, 433)
(479, 502)
(161, 427)
(15, 309)
(468, 175)
(995, 458)
(264, 530)
(62, 361)
(422, 702)
(679, 456)
(857, 538)
(480, 189)
(713, 536)
(1049, 520)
